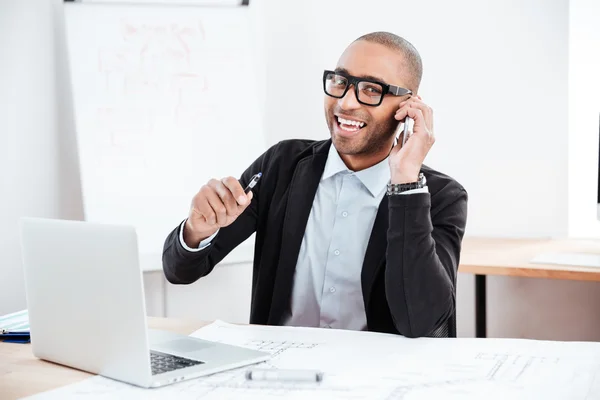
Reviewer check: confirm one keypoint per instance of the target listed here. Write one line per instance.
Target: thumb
(396, 148)
(249, 197)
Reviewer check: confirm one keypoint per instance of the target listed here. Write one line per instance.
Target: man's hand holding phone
(408, 155)
(215, 206)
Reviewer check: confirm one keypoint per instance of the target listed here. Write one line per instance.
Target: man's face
(366, 59)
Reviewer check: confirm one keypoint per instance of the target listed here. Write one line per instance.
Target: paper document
(366, 365)
(15, 322)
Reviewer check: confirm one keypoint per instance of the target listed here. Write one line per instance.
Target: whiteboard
(165, 99)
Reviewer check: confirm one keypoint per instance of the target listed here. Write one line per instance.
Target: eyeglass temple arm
(398, 91)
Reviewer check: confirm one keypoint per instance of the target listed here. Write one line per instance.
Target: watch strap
(398, 188)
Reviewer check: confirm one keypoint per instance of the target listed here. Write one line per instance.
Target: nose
(349, 101)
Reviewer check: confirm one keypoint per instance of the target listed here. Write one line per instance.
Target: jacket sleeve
(183, 267)
(423, 253)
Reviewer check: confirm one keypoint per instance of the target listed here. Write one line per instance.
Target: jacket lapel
(376, 250)
(302, 190)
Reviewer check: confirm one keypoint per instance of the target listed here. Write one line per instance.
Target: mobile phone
(408, 125)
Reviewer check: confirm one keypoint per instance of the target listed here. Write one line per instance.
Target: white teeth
(345, 128)
(350, 122)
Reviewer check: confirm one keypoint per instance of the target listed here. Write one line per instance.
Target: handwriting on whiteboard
(158, 75)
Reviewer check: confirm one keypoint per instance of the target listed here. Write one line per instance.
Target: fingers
(216, 201)
(425, 109)
(217, 206)
(240, 199)
(414, 113)
(416, 109)
(417, 104)
(226, 197)
(202, 208)
(236, 190)
(241, 208)
(228, 190)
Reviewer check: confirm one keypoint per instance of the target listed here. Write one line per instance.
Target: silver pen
(253, 182)
(287, 375)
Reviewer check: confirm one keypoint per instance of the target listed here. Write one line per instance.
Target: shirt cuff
(424, 189)
(203, 244)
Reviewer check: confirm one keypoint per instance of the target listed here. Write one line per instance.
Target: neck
(358, 162)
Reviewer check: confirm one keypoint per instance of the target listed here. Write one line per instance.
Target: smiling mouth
(349, 125)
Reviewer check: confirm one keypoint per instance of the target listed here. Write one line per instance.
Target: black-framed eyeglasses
(368, 91)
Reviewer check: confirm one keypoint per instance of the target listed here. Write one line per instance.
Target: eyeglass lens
(368, 92)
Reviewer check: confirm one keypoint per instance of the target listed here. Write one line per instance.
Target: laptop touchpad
(186, 345)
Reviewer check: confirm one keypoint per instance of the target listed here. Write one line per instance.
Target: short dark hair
(410, 53)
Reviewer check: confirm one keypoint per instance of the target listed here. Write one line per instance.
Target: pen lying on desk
(14, 337)
(289, 375)
(15, 333)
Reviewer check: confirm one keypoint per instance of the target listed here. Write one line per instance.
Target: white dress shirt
(327, 289)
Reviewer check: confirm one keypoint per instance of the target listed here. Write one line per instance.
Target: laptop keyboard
(162, 362)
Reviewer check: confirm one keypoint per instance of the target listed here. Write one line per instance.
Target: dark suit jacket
(409, 270)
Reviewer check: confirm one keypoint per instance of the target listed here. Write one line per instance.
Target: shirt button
(337, 252)
(344, 214)
(332, 289)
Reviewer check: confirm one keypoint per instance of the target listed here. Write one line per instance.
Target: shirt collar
(374, 178)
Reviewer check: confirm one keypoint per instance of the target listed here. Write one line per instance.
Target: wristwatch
(397, 188)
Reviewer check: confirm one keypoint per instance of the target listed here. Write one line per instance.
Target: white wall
(38, 155)
(224, 294)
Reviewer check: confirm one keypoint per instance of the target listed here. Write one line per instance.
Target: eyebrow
(370, 77)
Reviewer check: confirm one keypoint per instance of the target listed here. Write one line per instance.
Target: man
(352, 232)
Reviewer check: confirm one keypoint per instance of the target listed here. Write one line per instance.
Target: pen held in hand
(253, 182)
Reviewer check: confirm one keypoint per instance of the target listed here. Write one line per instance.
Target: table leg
(480, 306)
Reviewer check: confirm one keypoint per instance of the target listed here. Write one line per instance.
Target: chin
(349, 146)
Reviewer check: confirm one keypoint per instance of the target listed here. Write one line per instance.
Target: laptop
(86, 306)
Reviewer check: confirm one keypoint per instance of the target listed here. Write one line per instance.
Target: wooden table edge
(538, 271)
